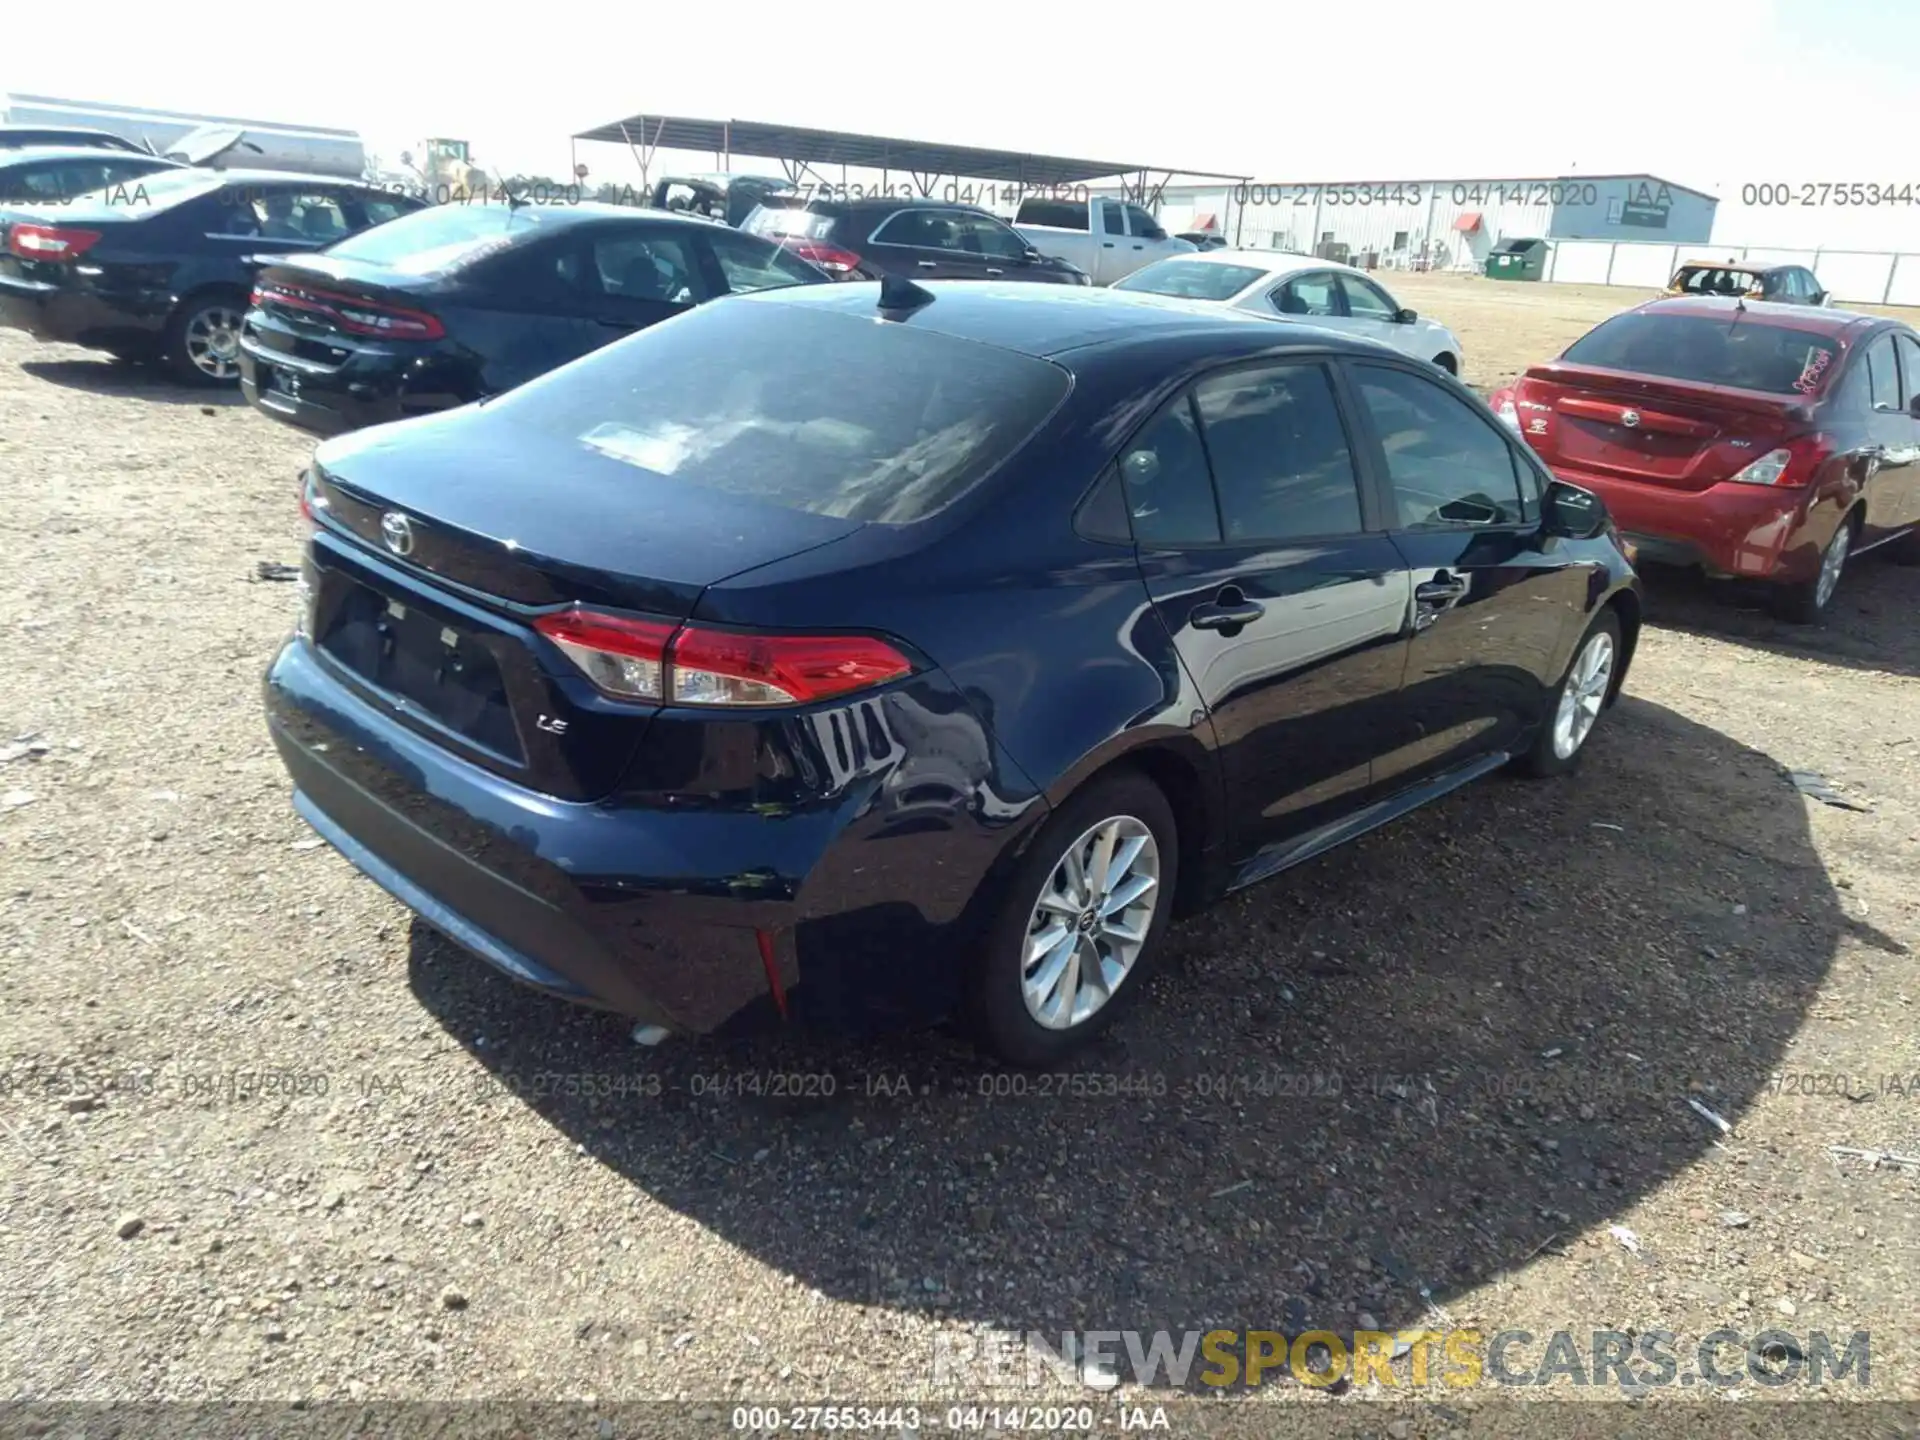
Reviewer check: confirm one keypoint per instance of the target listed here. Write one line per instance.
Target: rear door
(920, 243)
(531, 309)
(1287, 607)
(1495, 603)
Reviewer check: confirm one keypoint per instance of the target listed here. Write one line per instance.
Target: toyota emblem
(1630, 418)
(397, 531)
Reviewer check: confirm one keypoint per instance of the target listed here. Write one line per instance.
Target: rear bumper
(74, 316)
(648, 911)
(1751, 531)
(328, 402)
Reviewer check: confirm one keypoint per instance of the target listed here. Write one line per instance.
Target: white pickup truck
(1109, 239)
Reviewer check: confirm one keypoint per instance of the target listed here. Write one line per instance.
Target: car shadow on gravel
(1869, 627)
(1388, 1075)
(107, 376)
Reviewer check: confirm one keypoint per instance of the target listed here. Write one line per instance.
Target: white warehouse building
(1438, 224)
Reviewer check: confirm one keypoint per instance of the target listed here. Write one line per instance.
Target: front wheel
(1080, 925)
(1806, 603)
(1578, 702)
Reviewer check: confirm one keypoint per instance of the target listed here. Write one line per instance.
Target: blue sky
(1715, 96)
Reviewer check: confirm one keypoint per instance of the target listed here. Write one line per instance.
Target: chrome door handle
(992, 271)
(928, 264)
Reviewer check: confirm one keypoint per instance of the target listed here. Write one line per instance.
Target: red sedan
(1770, 442)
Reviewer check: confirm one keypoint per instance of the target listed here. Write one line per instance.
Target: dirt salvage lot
(1445, 1059)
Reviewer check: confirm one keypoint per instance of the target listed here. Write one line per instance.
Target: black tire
(182, 336)
(1544, 758)
(997, 1009)
(1803, 603)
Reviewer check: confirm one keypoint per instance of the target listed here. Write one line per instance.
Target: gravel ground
(1447, 1059)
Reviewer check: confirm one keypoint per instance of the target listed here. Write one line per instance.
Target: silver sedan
(1303, 289)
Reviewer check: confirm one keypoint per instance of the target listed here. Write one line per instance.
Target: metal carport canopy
(870, 152)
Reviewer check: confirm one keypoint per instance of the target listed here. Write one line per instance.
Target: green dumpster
(1518, 260)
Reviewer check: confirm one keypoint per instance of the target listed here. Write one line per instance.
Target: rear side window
(826, 413)
(1735, 350)
(1448, 466)
(751, 264)
(1169, 490)
(1191, 279)
(1281, 463)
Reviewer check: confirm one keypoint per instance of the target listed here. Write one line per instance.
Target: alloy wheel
(1088, 927)
(1583, 694)
(212, 339)
(1831, 564)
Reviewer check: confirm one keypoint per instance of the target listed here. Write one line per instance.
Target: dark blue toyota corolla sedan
(870, 654)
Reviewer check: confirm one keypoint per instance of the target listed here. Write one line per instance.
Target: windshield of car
(443, 237)
(822, 412)
(1191, 279)
(1736, 351)
(776, 221)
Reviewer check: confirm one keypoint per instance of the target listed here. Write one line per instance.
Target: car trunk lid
(1653, 430)
(433, 560)
(320, 308)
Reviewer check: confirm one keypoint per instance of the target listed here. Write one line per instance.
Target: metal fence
(1858, 277)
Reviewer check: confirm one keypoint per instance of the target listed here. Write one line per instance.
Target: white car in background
(1303, 289)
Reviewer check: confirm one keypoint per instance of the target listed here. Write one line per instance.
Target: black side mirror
(1575, 513)
(1913, 407)
(1405, 317)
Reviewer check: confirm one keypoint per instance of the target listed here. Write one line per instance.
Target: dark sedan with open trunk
(457, 303)
(868, 652)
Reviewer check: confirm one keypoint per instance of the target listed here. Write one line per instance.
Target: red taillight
(691, 665)
(50, 242)
(830, 258)
(625, 658)
(355, 314)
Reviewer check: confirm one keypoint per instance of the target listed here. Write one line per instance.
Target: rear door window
(1281, 462)
(1448, 466)
(770, 398)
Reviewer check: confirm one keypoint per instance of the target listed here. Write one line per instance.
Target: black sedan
(461, 302)
(57, 174)
(159, 267)
(864, 237)
(867, 652)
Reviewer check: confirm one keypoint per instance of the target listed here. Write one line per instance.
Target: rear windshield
(828, 413)
(1191, 279)
(445, 237)
(1715, 280)
(1737, 351)
(776, 221)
